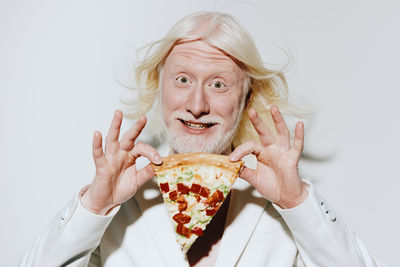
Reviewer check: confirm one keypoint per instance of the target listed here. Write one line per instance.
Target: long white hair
(265, 87)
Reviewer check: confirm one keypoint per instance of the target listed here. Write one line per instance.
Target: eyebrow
(230, 74)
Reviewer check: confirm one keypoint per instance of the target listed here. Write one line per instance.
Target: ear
(249, 97)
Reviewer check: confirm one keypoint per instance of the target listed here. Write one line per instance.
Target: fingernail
(232, 157)
(158, 159)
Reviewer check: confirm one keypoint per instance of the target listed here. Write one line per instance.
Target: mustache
(206, 119)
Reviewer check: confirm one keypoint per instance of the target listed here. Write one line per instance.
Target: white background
(59, 66)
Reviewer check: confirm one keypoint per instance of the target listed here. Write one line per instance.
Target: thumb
(249, 175)
(144, 175)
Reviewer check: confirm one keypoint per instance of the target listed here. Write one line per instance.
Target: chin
(187, 143)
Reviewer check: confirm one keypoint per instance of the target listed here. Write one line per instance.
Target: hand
(276, 177)
(117, 179)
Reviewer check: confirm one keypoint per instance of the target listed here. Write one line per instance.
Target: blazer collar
(159, 225)
(244, 213)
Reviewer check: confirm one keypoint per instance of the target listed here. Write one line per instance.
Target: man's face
(202, 98)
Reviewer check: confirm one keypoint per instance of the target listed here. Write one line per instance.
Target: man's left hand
(276, 177)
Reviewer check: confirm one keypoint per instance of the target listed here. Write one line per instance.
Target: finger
(298, 141)
(249, 175)
(113, 133)
(128, 140)
(144, 175)
(142, 149)
(280, 125)
(249, 147)
(97, 149)
(262, 130)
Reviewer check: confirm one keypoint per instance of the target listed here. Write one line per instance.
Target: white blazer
(257, 233)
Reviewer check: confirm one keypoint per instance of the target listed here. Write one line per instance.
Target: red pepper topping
(173, 195)
(182, 203)
(181, 199)
(216, 197)
(211, 200)
(197, 231)
(182, 230)
(211, 212)
(182, 206)
(220, 195)
(181, 218)
(204, 192)
(164, 187)
(183, 189)
(195, 188)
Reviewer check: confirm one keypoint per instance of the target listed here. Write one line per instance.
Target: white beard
(190, 143)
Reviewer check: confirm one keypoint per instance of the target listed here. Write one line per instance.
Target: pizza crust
(177, 160)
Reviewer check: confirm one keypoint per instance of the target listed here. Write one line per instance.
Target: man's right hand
(117, 179)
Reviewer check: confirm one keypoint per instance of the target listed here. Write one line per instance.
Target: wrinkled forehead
(198, 51)
(199, 48)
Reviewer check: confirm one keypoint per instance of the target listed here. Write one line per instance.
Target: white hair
(263, 87)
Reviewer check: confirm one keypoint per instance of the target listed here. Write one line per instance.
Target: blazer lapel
(245, 210)
(159, 225)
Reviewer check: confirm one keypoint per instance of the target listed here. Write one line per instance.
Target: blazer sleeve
(70, 237)
(322, 238)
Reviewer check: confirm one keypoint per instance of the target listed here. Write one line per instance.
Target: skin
(117, 178)
(276, 176)
(200, 84)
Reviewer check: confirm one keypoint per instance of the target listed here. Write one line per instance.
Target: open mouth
(197, 125)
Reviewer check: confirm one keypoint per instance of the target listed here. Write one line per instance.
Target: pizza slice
(194, 186)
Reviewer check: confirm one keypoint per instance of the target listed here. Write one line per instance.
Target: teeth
(195, 126)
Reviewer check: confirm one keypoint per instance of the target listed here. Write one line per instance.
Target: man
(207, 84)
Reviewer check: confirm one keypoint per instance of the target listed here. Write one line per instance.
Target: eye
(218, 85)
(182, 79)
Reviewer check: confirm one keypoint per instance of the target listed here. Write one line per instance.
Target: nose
(197, 103)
